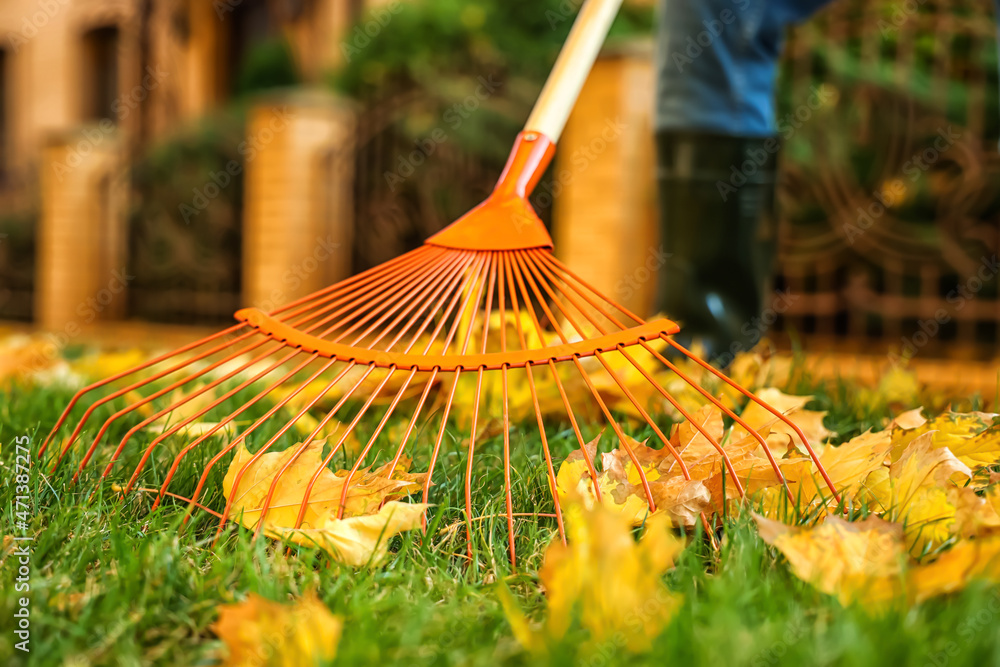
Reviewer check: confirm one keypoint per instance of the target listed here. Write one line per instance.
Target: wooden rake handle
(575, 61)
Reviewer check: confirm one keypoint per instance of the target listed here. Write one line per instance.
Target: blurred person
(717, 144)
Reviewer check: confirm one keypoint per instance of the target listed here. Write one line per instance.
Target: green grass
(113, 584)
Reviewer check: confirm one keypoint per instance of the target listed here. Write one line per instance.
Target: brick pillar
(298, 217)
(604, 191)
(82, 236)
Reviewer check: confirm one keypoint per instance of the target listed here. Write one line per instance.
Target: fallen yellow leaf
(858, 562)
(260, 632)
(605, 580)
(967, 560)
(371, 516)
(359, 540)
(367, 491)
(973, 437)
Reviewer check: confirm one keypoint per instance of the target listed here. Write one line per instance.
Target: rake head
(475, 332)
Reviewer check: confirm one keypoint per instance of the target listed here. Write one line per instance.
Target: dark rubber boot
(720, 236)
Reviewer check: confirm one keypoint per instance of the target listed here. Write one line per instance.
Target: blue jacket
(717, 62)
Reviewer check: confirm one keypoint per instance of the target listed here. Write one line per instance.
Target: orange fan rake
(484, 303)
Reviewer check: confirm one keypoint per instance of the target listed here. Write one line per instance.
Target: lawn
(112, 583)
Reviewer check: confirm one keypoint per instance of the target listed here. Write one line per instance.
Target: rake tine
(508, 491)
(397, 297)
(766, 406)
(218, 401)
(476, 400)
(440, 293)
(236, 481)
(336, 447)
(717, 403)
(371, 442)
(588, 459)
(690, 382)
(173, 406)
(134, 387)
(187, 398)
(641, 409)
(699, 389)
(600, 356)
(468, 468)
(458, 371)
(243, 436)
(600, 402)
(550, 469)
(114, 378)
(312, 436)
(437, 279)
(188, 362)
(552, 260)
(660, 435)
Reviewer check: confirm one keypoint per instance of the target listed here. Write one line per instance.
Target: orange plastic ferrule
(506, 220)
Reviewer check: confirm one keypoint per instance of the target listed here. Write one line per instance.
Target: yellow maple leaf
(973, 437)
(356, 541)
(260, 632)
(574, 482)
(916, 492)
(602, 578)
(860, 562)
(967, 560)
(621, 488)
(848, 465)
(367, 491)
(810, 422)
